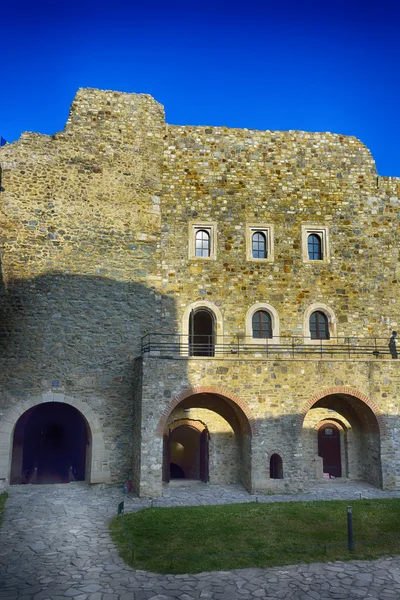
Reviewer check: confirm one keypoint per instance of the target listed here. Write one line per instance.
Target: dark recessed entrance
(329, 449)
(50, 445)
(201, 333)
(186, 454)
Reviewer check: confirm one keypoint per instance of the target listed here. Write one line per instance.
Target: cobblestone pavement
(54, 544)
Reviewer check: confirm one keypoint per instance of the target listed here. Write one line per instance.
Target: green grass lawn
(171, 540)
(3, 498)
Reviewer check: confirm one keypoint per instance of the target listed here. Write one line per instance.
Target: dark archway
(202, 333)
(228, 447)
(355, 450)
(329, 449)
(275, 467)
(187, 454)
(50, 445)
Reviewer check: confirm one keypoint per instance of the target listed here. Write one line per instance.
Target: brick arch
(280, 453)
(338, 424)
(99, 467)
(349, 391)
(196, 424)
(192, 391)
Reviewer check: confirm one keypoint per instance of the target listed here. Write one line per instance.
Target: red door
(329, 449)
(204, 456)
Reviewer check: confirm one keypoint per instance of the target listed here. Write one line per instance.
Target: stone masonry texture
(96, 228)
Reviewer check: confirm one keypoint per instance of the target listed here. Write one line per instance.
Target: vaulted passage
(341, 438)
(188, 453)
(50, 445)
(207, 437)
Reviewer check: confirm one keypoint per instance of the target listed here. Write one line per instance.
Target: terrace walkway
(54, 544)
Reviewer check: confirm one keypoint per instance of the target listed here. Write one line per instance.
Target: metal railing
(169, 345)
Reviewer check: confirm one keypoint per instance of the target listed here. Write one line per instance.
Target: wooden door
(204, 456)
(329, 449)
(166, 457)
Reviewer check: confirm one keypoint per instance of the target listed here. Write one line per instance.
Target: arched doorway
(275, 467)
(187, 453)
(341, 438)
(50, 445)
(201, 332)
(329, 449)
(224, 445)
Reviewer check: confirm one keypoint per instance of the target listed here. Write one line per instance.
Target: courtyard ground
(54, 544)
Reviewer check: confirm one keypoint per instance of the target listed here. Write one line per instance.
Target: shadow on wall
(79, 335)
(365, 450)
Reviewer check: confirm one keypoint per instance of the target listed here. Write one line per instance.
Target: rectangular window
(315, 243)
(202, 242)
(260, 242)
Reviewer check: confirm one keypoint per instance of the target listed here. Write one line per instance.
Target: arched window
(319, 327)
(259, 245)
(314, 244)
(275, 467)
(262, 324)
(202, 243)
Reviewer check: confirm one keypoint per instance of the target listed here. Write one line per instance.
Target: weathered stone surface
(97, 226)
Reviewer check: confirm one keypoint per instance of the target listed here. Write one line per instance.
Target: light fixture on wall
(186, 410)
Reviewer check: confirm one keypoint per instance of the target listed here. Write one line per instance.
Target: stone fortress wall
(96, 225)
(80, 227)
(240, 177)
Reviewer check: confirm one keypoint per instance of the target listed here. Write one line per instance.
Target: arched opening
(203, 245)
(219, 451)
(314, 247)
(329, 449)
(50, 445)
(259, 244)
(262, 325)
(319, 326)
(275, 467)
(187, 453)
(341, 438)
(201, 332)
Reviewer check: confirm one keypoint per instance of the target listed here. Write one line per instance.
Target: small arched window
(314, 244)
(259, 245)
(202, 243)
(319, 326)
(275, 467)
(262, 325)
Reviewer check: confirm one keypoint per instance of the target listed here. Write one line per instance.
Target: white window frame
(323, 232)
(268, 231)
(211, 229)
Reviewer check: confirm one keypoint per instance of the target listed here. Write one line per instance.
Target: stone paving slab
(54, 544)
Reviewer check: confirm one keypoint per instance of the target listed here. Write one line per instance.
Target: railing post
(292, 347)
(348, 347)
(350, 539)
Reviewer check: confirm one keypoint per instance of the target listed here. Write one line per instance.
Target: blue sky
(313, 65)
